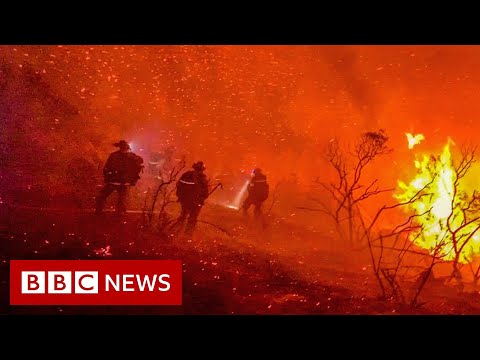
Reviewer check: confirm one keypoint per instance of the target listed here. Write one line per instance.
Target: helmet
(122, 144)
(199, 166)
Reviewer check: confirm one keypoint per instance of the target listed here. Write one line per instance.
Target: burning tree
(444, 220)
(451, 227)
(443, 216)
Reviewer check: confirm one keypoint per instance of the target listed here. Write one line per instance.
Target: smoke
(234, 107)
(345, 63)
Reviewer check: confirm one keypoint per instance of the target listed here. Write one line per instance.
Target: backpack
(185, 186)
(260, 188)
(262, 191)
(135, 167)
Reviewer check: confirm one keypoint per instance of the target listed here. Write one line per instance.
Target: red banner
(95, 282)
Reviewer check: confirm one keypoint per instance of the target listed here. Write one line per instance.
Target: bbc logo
(59, 282)
(96, 282)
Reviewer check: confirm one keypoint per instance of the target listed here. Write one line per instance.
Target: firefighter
(192, 191)
(257, 192)
(121, 170)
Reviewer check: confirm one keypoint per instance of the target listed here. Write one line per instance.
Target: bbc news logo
(95, 282)
(59, 282)
(86, 282)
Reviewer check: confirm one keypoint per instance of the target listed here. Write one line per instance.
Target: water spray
(236, 203)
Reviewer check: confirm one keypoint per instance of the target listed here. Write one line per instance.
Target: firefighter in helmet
(192, 191)
(257, 192)
(121, 170)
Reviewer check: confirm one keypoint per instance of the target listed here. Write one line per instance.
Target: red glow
(235, 108)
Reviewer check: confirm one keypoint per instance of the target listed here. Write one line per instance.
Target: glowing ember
(414, 139)
(449, 223)
(103, 251)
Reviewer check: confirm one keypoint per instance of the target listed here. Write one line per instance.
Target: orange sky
(275, 107)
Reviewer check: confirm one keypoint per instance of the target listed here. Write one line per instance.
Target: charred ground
(250, 271)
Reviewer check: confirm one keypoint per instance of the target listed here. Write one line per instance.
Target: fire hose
(219, 185)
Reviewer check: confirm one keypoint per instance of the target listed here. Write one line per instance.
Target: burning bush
(451, 219)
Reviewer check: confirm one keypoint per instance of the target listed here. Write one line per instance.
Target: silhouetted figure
(121, 170)
(257, 193)
(192, 191)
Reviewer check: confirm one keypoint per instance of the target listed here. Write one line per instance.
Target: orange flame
(445, 228)
(414, 139)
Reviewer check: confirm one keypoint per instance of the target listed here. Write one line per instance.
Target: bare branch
(411, 218)
(161, 188)
(274, 197)
(215, 226)
(403, 250)
(367, 194)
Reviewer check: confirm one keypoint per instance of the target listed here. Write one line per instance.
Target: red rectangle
(95, 282)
